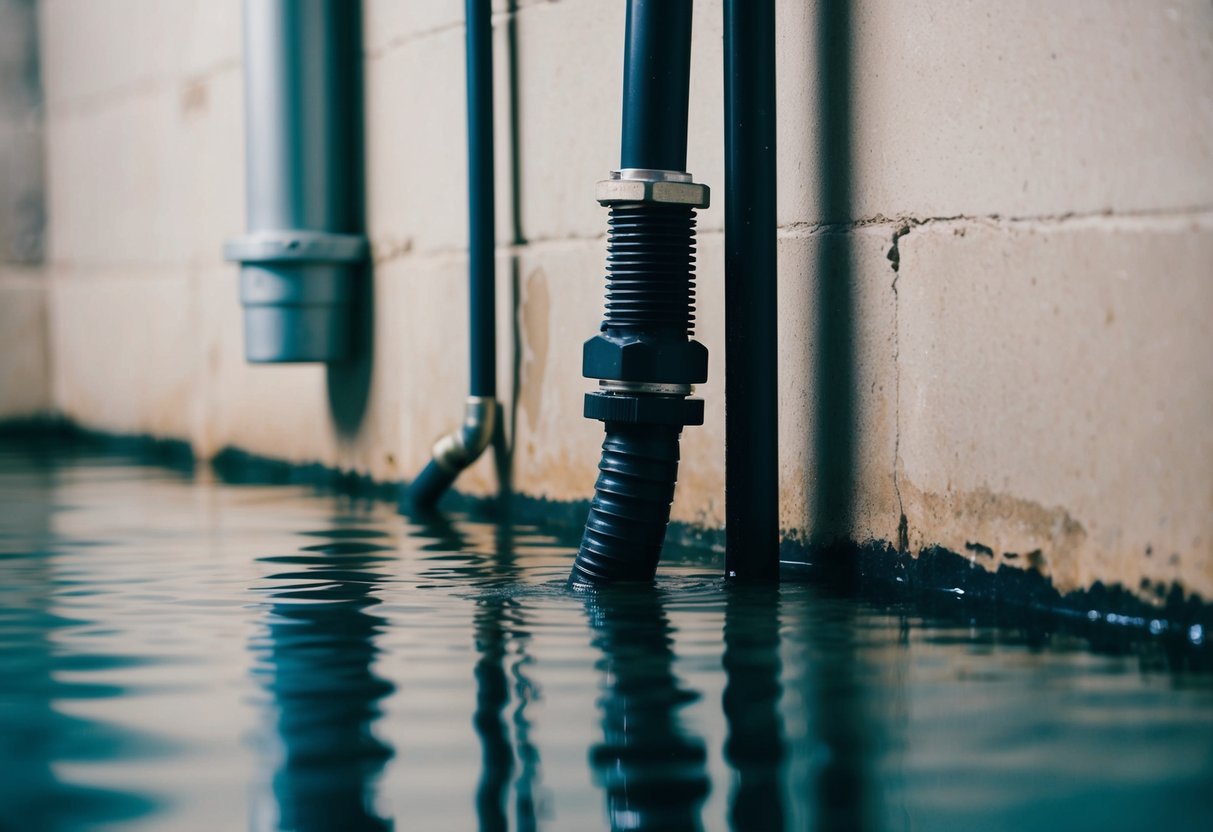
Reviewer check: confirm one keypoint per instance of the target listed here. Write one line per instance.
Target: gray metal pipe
(305, 245)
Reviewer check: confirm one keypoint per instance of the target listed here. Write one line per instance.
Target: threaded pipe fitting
(651, 269)
(645, 353)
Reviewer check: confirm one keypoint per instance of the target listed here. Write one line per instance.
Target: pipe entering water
(643, 356)
(461, 447)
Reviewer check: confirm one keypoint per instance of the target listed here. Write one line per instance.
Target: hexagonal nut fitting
(639, 359)
(647, 410)
(661, 192)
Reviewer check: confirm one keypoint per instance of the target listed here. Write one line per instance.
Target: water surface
(180, 653)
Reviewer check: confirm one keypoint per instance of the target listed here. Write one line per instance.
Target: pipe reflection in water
(654, 773)
(754, 747)
(836, 690)
(314, 657)
(501, 638)
(500, 628)
(43, 672)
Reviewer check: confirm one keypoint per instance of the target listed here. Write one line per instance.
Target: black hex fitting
(643, 409)
(642, 358)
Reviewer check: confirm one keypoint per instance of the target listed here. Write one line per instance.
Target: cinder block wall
(996, 261)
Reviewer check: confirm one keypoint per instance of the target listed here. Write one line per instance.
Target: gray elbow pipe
(304, 246)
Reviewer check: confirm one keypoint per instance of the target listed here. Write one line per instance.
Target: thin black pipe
(751, 350)
(481, 200)
(754, 746)
(656, 84)
(463, 446)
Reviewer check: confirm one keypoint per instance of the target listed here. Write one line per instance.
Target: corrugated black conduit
(643, 357)
(463, 446)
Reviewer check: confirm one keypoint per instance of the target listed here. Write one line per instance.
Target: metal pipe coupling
(659, 187)
(463, 446)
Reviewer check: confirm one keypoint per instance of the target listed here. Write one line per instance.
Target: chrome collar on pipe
(461, 447)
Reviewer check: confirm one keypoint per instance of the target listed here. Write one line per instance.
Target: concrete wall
(996, 264)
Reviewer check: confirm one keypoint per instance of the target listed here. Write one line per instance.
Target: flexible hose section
(631, 505)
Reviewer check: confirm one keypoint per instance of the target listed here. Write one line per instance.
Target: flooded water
(180, 653)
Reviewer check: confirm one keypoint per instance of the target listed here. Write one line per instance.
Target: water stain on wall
(195, 98)
(995, 529)
(534, 313)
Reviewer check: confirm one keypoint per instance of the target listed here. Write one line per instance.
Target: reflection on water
(499, 628)
(438, 674)
(844, 797)
(41, 676)
(651, 768)
(754, 745)
(314, 657)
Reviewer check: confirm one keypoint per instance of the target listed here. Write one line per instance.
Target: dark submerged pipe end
(429, 486)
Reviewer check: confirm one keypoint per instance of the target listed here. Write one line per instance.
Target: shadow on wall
(833, 359)
(349, 382)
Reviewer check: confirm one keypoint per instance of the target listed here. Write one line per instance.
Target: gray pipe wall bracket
(297, 292)
(305, 248)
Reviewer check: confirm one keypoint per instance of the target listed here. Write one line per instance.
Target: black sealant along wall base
(935, 581)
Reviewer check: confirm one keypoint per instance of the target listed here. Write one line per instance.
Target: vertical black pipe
(656, 84)
(481, 200)
(751, 350)
(349, 381)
